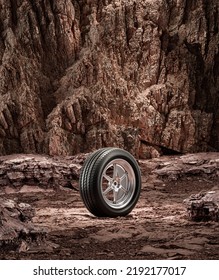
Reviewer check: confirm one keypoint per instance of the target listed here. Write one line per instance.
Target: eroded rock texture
(16, 228)
(23, 170)
(203, 206)
(80, 74)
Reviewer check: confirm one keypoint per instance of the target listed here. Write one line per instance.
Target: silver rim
(118, 183)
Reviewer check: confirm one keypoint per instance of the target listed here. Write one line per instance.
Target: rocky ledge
(174, 167)
(53, 171)
(39, 170)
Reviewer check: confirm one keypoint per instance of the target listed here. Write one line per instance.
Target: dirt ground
(157, 228)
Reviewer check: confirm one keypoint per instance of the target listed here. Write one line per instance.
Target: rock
(39, 171)
(80, 75)
(23, 247)
(164, 252)
(200, 164)
(16, 229)
(203, 206)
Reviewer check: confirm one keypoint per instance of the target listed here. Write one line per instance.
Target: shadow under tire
(110, 182)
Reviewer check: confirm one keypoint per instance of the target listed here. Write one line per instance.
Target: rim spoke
(123, 177)
(125, 190)
(114, 170)
(108, 178)
(107, 190)
(115, 196)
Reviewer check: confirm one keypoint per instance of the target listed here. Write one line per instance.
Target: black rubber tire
(93, 174)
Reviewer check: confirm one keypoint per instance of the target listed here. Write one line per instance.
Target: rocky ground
(52, 222)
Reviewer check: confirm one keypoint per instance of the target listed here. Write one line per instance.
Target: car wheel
(110, 182)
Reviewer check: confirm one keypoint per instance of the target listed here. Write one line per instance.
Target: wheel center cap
(115, 184)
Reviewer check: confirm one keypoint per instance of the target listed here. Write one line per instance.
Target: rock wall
(77, 75)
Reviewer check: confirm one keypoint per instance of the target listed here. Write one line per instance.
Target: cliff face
(76, 75)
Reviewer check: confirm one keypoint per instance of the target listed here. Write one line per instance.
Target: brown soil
(158, 227)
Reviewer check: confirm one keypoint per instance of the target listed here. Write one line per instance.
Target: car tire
(110, 182)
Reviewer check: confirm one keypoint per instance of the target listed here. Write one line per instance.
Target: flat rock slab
(46, 171)
(174, 167)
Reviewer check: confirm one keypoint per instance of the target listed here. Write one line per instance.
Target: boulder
(203, 206)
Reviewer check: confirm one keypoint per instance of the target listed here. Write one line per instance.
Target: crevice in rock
(189, 6)
(38, 16)
(167, 151)
(14, 17)
(152, 150)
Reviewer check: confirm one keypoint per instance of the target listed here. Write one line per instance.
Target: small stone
(15, 176)
(23, 247)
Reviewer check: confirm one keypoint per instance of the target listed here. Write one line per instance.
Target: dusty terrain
(158, 228)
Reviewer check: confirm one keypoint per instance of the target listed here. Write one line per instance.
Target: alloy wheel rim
(118, 183)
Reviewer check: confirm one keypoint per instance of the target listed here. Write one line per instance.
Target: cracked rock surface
(16, 228)
(60, 227)
(80, 75)
(204, 206)
(42, 170)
